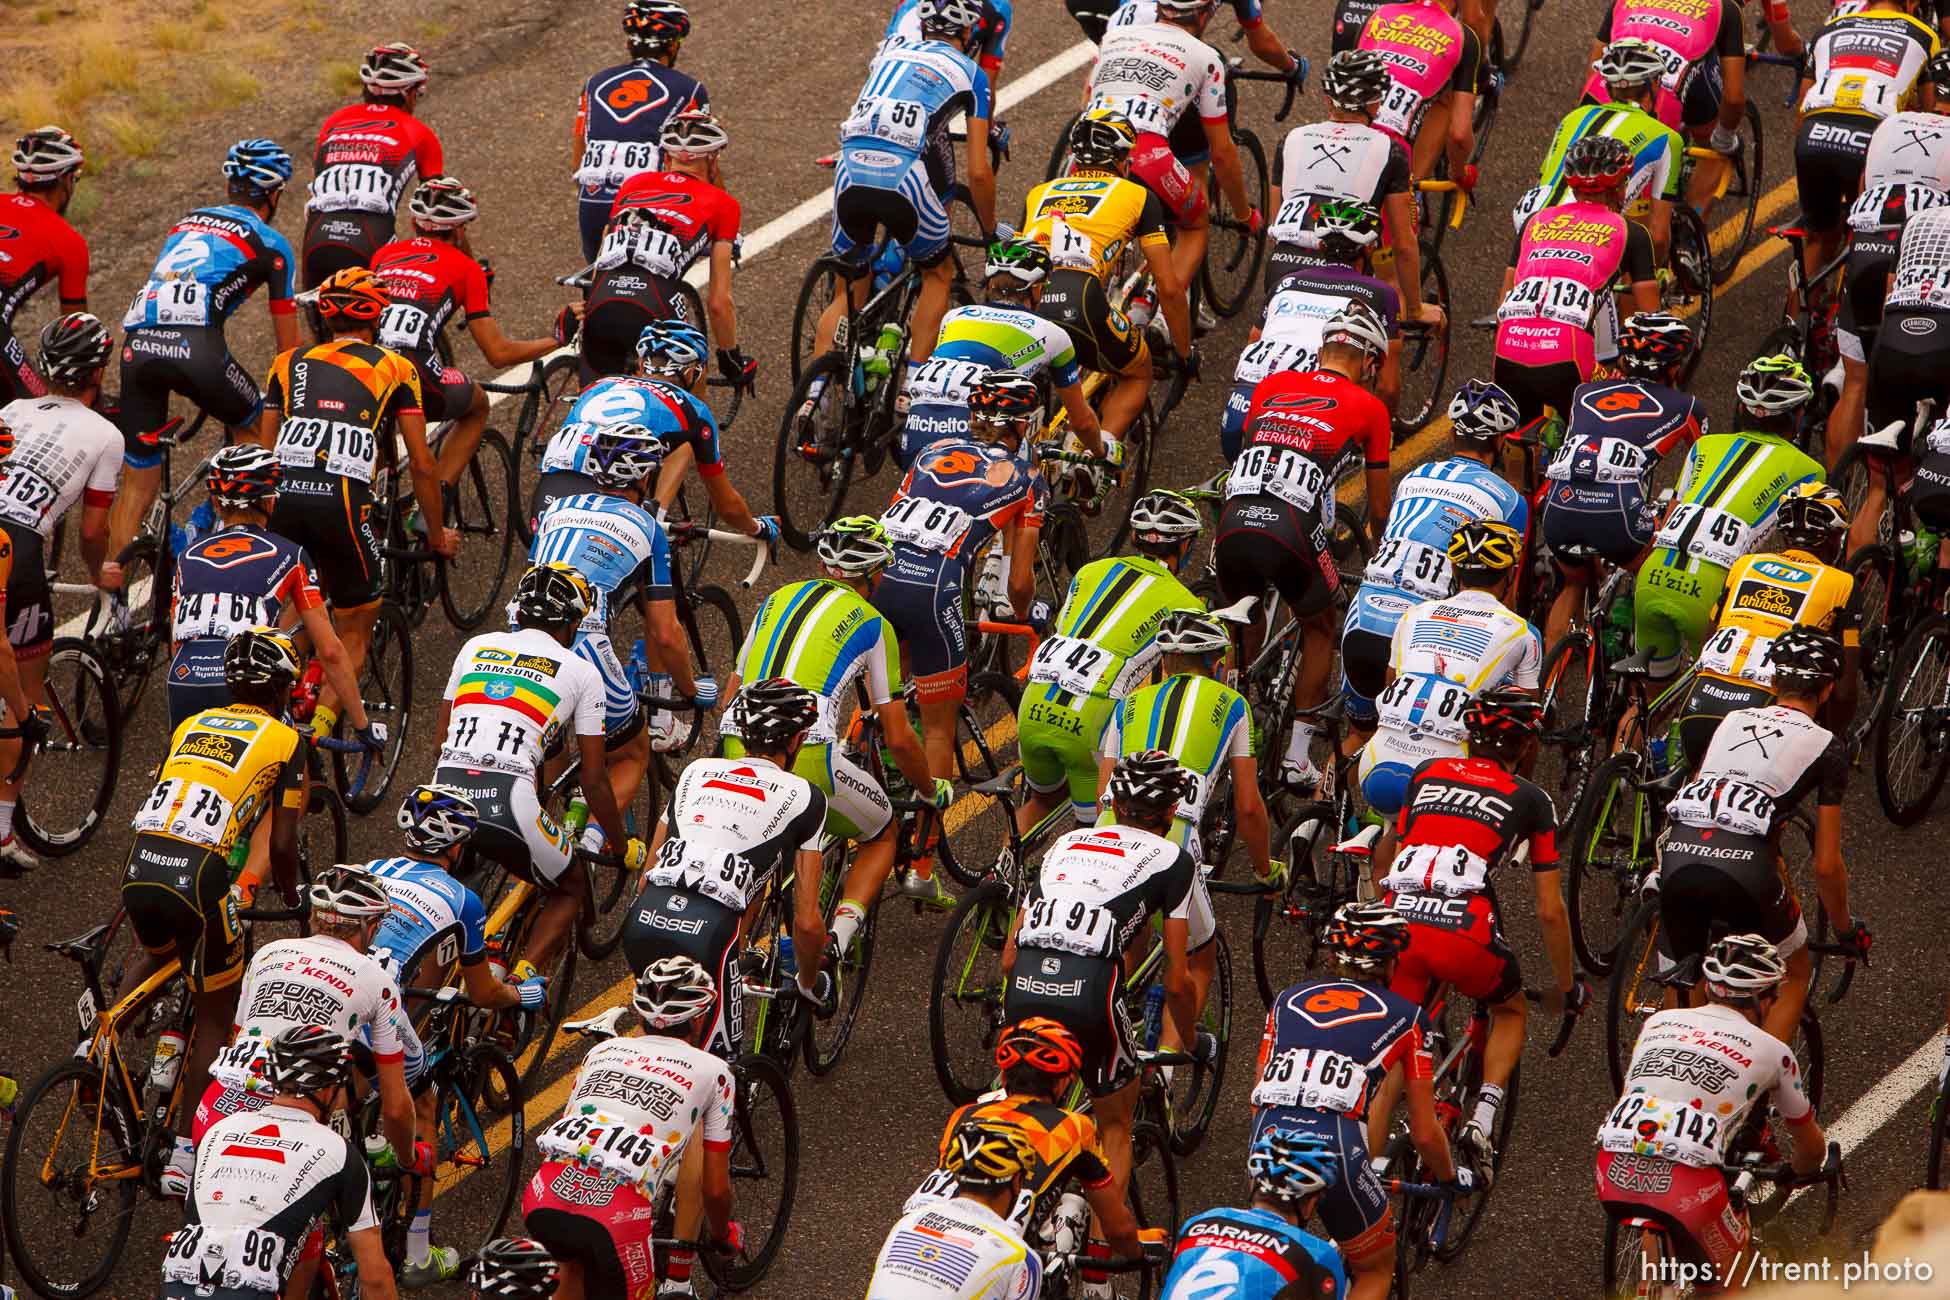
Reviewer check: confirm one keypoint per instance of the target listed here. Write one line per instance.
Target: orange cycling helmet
(355, 293)
(1041, 1043)
(6, 439)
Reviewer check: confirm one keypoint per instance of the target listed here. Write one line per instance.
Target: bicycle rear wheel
(813, 462)
(764, 1172)
(478, 1180)
(1913, 725)
(818, 288)
(1462, 1223)
(1153, 1190)
(965, 998)
(71, 782)
(1635, 989)
(1690, 289)
(561, 385)
(386, 689)
(825, 1040)
(1855, 473)
(482, 507)
(1285, 926)
(1734, 215)
(1195, 1089)
(68, 1239)
(1612, 850)
(1425, 353)
(1878, 603)
(975, 831)
(1573, 680)
(1230, 271)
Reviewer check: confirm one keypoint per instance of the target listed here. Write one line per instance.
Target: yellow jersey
(225, 767)
(1765, 595)
(1087, 220)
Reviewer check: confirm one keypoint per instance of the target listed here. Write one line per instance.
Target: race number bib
(218, 614)
(185, 810)
(944, 380)
(177, 302)
(25, 497)
(338, 448)
(1866, 213)
(1401, 108)
(1072, 664)
(650, 247)
(1705, 533)
(1419, 706)
(1553, 298)
(404, 326)
(1265, 356)
(1721, 654)
(1653, 1126)
(1921, 283)
(898, 122)
(611, 1147)
(1310, 1077)
(1731, 805)
(360, 187)
(1069, 925)
(1599, 460)
(724, 878)
(207, 1257)
(1280, 472)
(1451, 870)
(1069, 249)
(1414, 567)
(926, 525)
(608, 163)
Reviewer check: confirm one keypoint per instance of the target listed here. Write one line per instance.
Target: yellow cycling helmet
(987, 1154)
(1485, 548)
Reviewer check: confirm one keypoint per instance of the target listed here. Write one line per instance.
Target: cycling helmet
(621, 455)
(1741, 967)
(1482, 412)
(987, 1155)
(1650, 343)
(45, 154)
(1814, 518)
(1365, 935)
(513, 1268)
(392, 69)
(1937, 72)
(1192, 632)
(774, 712)
(1102, 137)
(354, 293)
(1355, 79)
(442, 203)
(1774, 385)
(1805, 656)
(696, 134)
(1595, 164)
(437, 817)
(1021, 259)
(1041, 1043)
(655, 26)
(1292, 1164)
(1629, 62)
(1185, 8)
(1163, 517)
(1149, 782)
(856, 546)
(1344, 229)
(553, 595)
(1485, 549)
(951, 16)
(671, 347)
(1502, 718)
(1357, 326)
(6, 438)
(258, 163)
(74, 347)
(1004, 402)
(351, 893)
(244, 474)
(672, 992)
(308, 1059)
(261, 656)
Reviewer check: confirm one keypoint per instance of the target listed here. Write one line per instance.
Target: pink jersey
(1423, 43)
(1685, 32)
(1567, 257)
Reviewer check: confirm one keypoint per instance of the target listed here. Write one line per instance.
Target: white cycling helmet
(673, 991)
(1357, 326)
(350, 892)
(1743, 966)
(1190, 632)
(393, 67)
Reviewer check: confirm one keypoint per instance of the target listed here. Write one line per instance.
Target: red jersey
(367, 156)
(1327, 417)
(37, 248)
(691, 216)
(1460, 819)
(429, 281)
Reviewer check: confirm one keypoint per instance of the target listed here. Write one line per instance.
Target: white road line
(1879, 1105)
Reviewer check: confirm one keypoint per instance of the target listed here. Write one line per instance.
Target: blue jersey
(992, 36)
(1412, 563)
(211, 260)
(622, 113)
(610, 540)
(903, 112)
(677, 416)
(1227, 1254)
(432, 913)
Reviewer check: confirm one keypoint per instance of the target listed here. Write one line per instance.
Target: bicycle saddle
(1239, 611)
(83, 946)
(1667, 785)
(1887, 438)
(1002, 783)
(1638, 664)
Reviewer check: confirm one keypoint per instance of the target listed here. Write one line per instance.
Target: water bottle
(1616, 634)
(1070, 1225)
(522, 970)
(577, 816)
(203, 520)
(167, 1063)
(1659, 755)
(240, 853)
(788, 960)
(888, 265)
(992, 588)
(1154, 1015)
(379, 1153)
(1926, 548)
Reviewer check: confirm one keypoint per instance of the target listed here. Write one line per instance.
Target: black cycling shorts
(1264, 542)
(178, 900)
(445, 392)
(1829, 152)
(1535, 387)
(1079, 993)
(1708, 704)
(1364, 672)
(1699, 105)
(1929, 492)
(1612, 519)
(30, 600)
(336, 240)
(1103, 336)
(1715, 882)
(1865, 283)
(1093, 16)
(666, 922)
(861, 212)
(331, 517)
(621, 303)
(192, 361)
(18, 378)
(1911, 362)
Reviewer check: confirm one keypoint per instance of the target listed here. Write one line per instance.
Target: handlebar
(1439, 1230)
(683, 533)
(1796, 61)
(1849, 956)
(1564, 1028)
(1451, 187)
(1295, 81)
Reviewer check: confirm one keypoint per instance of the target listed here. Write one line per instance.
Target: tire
(1059, 154)
(817, 288)
(1286, 928)
(1513, 55)
(977, 830)
(1154, 1178)
(71, 782)
(720, 632)
(1855, 472)
(134, 653)
(1634, 985)
(1878, 602)
(60, 1265)
(1691, 258)
(321, 833)
(1573, 688)
(561, 385)
(462, 1132)
(1743, 194)
(386, 688)
(1425, 353)
(1463, 1223)
(1230, 272)
(1625, 1261)
(965, 997)
(1611, 850)
(482, 507)
(764, 1146)
(1195, 1090)
(824, 1041)
(534, 1032)
(1913, 725)
(807, 490)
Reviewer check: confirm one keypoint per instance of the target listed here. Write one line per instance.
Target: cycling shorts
(666, 922)
(1699, 106)
(18, 378)
(1911, 362)
(1058, 739)
(602, 1223)
(1364, 672)
(1104, 338)
(621, 303)
(911, 212)
(1612, 519)
(1264, 542)
(857, 806)
(331, 517)
(514, 831)
(30, 600)
(1714, 878)
(1155, 166)
(1232, 421)
(1093, 16)
(1390, 758)
(1079, 993)
(555, 484)
(622, 710)
(1830, 150)
(1672, 611)
(1700, 1220)
(921, 595)
(336, 240)
(445, 392)
(1188, 140)
(177, 896)
(1709, 701)
(192, 361)
(1355, 1209)
(1865, 283)
(196, 680)
(1929, 492)
(1466, 951)
(1535, 387)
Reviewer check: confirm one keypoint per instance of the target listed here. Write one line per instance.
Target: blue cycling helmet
(622, 454)
(258, 163)
(1291, 1164)
(680, 345)
(437, 817)
(1482, 412)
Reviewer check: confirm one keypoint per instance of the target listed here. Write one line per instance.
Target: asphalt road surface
(782, 75)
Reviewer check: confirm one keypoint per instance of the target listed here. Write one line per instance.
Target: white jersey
(1328, 160)
(731, 823)
(1153, 73)
(1290, 330)
(1098, 887)
(513, 695)
(1910, 151)
(955, 1250)
(1760, 765)
(63, 452)
(314, 981)
(1444, 653)
(636, 1105)
(1695, 1074)
(1923, 263)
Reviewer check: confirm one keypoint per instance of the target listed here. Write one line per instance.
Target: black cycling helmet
(244, 476)
(1355, 80)
(1651, 343)
(1502, 718)
(305, 1060)
(1365, 936)
(1102, 137)
(513, 1268)
(771, 714)
(262, 660)
(73, 348)
(553, 595)
(655, 26)
(1804, 657)
(434, 818)
(1149, 783)
(1814, 518)
(1481, 412)
(1483, 550)
(1596, 164)
(1937, 72)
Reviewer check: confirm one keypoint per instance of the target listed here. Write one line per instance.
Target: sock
(848, 917)
(1488, 1102)
(184, 1156)
(658, 686)
(419, 1238)
(6, 821)
(1298, 742)
(678, 1266)
(323, 719)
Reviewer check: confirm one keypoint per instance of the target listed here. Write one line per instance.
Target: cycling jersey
(1063, 1143)
(1251, 1254)
(434, 916)
(1560, 309)
(991, 34)
(63, 452)
(636, 1105)
(973, 341)
(1138, 13)
(955, 1249)
(368, 156)
(1154, 73)
(1658, 159)
(688, 216)
(263, 1182)
(210, 262)
(1350, 161)
(1290, 328)
(1923, 263)
(1202, 723)
(432, 283)
(316, 980)
(1430, 54)
(619, 118)
(611, 541)
(515, 695)
(1764, 596)
(1692, 36)
(41, 249)
(228, 582)
(1762, 764)
(1089, 218)
(1907, 149)
(1598, 486)
(679, 418)
(1866, 64)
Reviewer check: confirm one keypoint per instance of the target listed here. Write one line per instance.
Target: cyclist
(1006, 332)
(265, 1180)
(1265, 43)
(1300, 307)
(620, 116)
(826, 636)
(619, 1143)
(432, 279)
(1446, 652)
(1436, 63)
(1701, 85)
(1558, 315)
(513, 1268)
(896, 162)
(1411, 559)
(365, 161)
(1660, 1149)
(1601, 509)
(1202, 723)
(509, 698)
(47, 166)
(1906, 365)
(1304, 432)
(1105, 644)
(989, 1163)
(991, 34)
(226, 768)
(330, 411)
(174, 331)
(1086, 220)
(1363, 1038)
(1728, 494)
(1626, 75)
(1720, 858)
(1261, 1252)
(1766, 593)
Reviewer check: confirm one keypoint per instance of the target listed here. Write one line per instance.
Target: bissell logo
(748, 786)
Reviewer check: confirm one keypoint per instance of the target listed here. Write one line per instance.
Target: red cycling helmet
(1041, 1043)
(1597, 164)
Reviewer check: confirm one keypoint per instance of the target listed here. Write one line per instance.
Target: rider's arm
(412, 426)
(718, 303)
(670, 637)
(1268, 48)
(1022, 568)
(1731, 49)
(1640, 268)
(1831, 873)
(396, 1117)
(1225, 163)
(1181, 994)
(483, 989)
(1250, 808)
(715, 1131)
(499, 349)
(905, 746)
(1462, 103)
(331, 655)
(728, 501)
(280, 272)
(1553, 920)
(285, 817)
(1399, 209)
(352, 1209)
(602, 800)
(981, 166)
(1425, 1131)
(1114, 1216)
(94, 538)
(808, 922)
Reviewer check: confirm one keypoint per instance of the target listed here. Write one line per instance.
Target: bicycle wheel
(814, 460)
(1734, 214)
(1877, 603)
(764, 1172)
(825, 1040)
(976, 829)
(1939, 1135)
(561, 385)
(1285, 926)
(1612, 850)
(1769, 1199)
(1627, 1261)
(1573, 682)
(1195, 1089)
(965, 998)
(1513, 55)
(479, 1179)
(481, 506)
(1425, 353)
(1853, 476)
(68, 1240)
(386, 689)
(1469, 1213)
(72, 780)
(719, 632)
(321, 832)
(1913, 725)
(1059, 154)
(1635, 990)
(1690, 289)
(534, 1031)
(1230, 271)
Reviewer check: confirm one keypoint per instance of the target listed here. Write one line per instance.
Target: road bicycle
(1739, 184)
(1807, 331)
(1424, 362)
